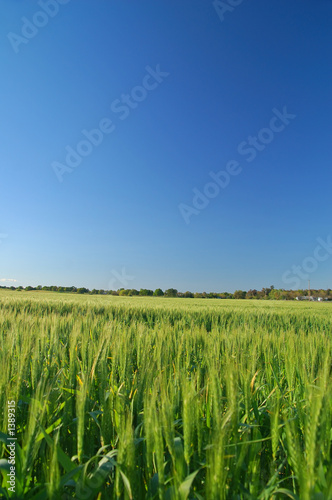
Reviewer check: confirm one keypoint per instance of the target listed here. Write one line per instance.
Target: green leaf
(91, 484)
(49, 429)
(184, 487)
(287, 493)
(153, 486)
(4, 465)
(180, 464)
(4, 438)
(42, 495)
(3, 493)
(65, 480)
(126, 484)
(197, 495)
(208, 420)
(64, 460)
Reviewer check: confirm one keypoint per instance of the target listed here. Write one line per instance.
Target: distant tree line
(270, 293)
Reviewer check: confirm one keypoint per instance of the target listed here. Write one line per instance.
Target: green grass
(159, 398)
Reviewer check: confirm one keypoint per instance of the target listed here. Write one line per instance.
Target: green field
(157, 398)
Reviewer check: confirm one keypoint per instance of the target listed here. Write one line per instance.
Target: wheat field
(134, 398)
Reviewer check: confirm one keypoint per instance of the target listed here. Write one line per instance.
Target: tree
(276, 294)
(266, 291)
(188, 295)
(145, 293)
(171, 292)
(158, 293)
(239, 294)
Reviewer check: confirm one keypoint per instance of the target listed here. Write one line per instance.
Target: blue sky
(116, 218)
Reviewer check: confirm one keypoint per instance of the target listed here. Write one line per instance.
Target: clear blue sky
(119, 208)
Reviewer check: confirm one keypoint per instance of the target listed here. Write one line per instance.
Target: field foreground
(119, 397)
